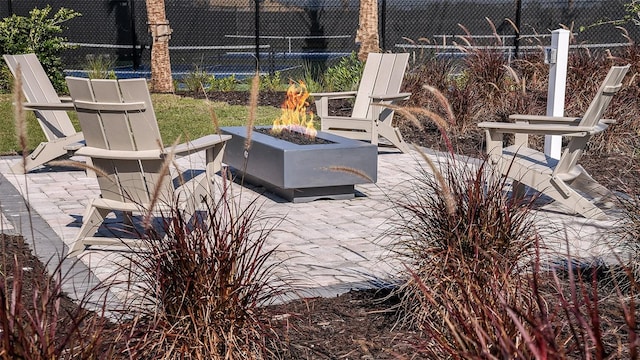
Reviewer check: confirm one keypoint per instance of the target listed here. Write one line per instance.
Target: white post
(557, 56)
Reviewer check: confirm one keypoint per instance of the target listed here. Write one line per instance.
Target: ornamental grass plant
(201, 285)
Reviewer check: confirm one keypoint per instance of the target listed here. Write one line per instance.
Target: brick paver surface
(327, 246)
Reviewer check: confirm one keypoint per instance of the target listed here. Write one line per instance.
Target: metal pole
(383, 21)
(134, 38)
(257, 28)
(10, 7)
(516, 39)
(558, 57)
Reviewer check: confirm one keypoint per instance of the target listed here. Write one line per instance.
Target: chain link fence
(220, 36)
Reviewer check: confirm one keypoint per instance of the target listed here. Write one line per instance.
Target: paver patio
(329, 246)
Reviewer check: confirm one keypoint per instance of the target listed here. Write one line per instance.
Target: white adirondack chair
(380, 84)
(564, 180)
(50, 110)
(123, 140)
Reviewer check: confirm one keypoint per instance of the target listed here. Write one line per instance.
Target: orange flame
(295, 116)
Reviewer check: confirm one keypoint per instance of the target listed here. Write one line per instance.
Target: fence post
(257, 34)
(383, 23)
(516, 39)
(557, 56)
(136, 54)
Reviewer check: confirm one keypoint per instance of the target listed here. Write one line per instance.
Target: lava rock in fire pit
(293, 136)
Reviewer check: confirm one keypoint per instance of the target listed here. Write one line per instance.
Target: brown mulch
(355, 325)
(16, 253)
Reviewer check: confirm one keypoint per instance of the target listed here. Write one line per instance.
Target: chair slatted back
(37, 88)
(594, 113)
(382, 74)
(113, 128)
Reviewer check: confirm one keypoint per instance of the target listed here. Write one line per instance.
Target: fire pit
(302, 173)
(304, 170)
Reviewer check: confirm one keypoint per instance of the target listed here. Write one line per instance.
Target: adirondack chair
(562, 180)
(380, 84)
(50, 110)
(124, 142)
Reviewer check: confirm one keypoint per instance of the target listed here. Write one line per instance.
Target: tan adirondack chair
(562, 180)
(50, 110)
(123, 140)
(380, 84)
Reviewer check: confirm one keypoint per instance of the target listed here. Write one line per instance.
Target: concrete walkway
(328, 246)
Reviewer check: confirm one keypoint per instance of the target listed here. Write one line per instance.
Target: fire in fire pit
(295, 116)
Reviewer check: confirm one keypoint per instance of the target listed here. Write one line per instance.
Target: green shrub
(313, 84)
(345, 76)
(227, 83)
(38, 33)
(198, 81)
(271, 82)
(100, 67)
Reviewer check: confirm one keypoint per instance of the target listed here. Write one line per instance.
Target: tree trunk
(161, 79)
(367, 34)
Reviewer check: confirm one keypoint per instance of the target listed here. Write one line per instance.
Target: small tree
(367, 34)
(37, 33)
(161, 79)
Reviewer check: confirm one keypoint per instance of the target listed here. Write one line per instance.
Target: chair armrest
(544, 118)
(49, 106)
(527, 117)
(554, 119)
(390, 97)
(336, 95)
(197, 145)
(109, 106)
(542, 129)
(98, 153)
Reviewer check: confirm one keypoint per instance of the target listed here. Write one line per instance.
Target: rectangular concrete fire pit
(301, 173)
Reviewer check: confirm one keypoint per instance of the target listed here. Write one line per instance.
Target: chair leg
(574, 201)
(569, 198)
(585, 183)
(199, 190)
(91, 221)
(49, 151)
(45, 152)
(585, 207)
(127, 219)
(393, 135)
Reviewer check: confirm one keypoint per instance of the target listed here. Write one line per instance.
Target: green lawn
(177, 116)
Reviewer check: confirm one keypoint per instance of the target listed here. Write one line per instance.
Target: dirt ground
(356, 325)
